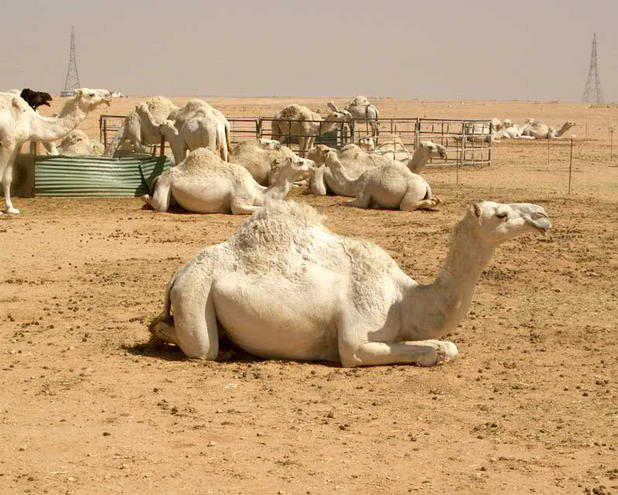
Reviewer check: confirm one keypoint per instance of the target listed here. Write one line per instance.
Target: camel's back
(288, 240)
(160, 108)
(297, 112)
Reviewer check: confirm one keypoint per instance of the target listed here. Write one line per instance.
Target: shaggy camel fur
(285, 287)
(196, 125)
(300, 122)
(261, 162)
(343, 178)
(204, 183)
(360, 109)
(20, 123)
(77, 142)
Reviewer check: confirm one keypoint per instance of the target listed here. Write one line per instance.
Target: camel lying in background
(204, 183)
(77, 142)
(285, 287)
(540, 130)
(20, 123)
(392, 186)
(342, 176)
(262, 159)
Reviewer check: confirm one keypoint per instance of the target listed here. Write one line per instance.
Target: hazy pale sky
(431, 49)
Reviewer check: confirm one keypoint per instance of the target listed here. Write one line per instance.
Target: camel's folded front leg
(317, 183)
(243, 209)
(423, 352)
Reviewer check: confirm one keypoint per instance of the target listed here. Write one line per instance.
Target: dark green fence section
(95, 176)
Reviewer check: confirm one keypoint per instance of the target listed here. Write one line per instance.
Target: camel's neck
(339, 173)
(278, 190)
(418, 161)
(435, 309)
(562, 130)
(149, 120)
(51, 128)
(326, 127)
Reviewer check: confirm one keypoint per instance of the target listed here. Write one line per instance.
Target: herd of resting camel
(345, 299)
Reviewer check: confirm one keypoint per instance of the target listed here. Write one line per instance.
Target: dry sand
(530, 406)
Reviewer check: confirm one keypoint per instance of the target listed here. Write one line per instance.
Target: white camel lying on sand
(392, 186)
(285, 287)
(540, 130)
(262, 162)
(20, 123)
(204, 183)
(77, 142)
(342, 175)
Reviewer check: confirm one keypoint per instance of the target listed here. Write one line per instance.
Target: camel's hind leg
(193, 327)
(161, 190)
(410, 201)
(363, 200)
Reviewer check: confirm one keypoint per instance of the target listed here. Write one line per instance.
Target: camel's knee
(162, 327)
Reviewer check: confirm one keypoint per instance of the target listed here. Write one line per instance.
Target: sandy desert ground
(531, 405)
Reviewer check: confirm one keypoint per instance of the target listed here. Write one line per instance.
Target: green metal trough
(96, 176)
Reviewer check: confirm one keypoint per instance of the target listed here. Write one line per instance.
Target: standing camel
(20, 123)
(297, 121)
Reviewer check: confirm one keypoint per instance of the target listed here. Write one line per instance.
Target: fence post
(162, 152)
(570, 165)
(258, 127)
(611, 146)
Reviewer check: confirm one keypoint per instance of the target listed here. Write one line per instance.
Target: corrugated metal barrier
(96, 176)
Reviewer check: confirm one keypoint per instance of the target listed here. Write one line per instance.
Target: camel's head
(367, 143)
(431, 149)
(507, 123)
(568, 124)
(291, 169)
(336, 114)
(35, 98)
(316, 154)
(269, 144)
(167, 128)
(330, 157)
(89, 99)
(494, 223)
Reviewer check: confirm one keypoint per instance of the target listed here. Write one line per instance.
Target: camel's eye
(501, 215)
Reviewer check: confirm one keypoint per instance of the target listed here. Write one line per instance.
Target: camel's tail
(153, 184)
(166, 314)
(228, 140)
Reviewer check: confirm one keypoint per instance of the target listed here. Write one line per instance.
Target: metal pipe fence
(468, 142)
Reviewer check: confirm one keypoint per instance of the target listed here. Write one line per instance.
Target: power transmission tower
(592, 90)
(72, 80)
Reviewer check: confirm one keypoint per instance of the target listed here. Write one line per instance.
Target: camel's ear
(78, 92)
(475, 209)
(332, 106)
(276, 161)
